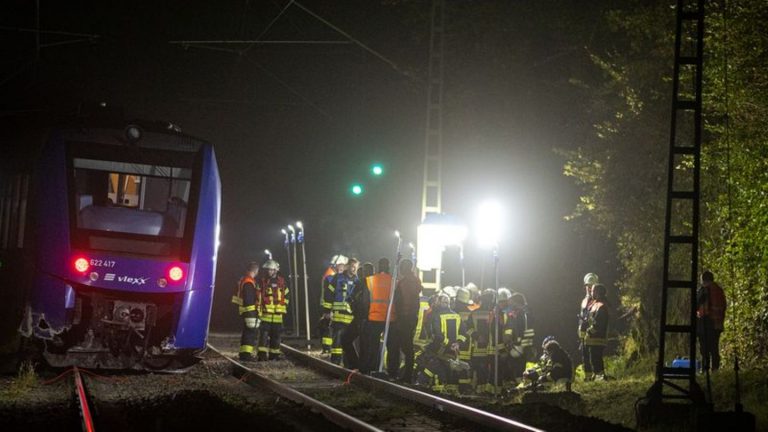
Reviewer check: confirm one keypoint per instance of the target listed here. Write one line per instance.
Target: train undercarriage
(103, 331)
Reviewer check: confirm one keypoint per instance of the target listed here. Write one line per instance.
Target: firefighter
(407, 303)
(482, 319)
(464, 307)
(557, 366)
(326, 300)
(359, 301)
(245, 298)
(519, 342)
(554, 367)
(271, 303)
(421, 336)
(443, 350)
(341, 313)
(590, 279)
(597, 331)
(710, 312)
(379, 287)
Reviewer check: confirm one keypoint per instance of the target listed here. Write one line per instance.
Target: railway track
(83, 402)
(361, 403)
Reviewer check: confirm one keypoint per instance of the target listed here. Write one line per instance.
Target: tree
(622, 170)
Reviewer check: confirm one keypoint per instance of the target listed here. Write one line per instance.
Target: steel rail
(82, 400)
(330, 413)
(444, 405)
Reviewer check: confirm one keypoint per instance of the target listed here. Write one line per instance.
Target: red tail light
(81, 264)
(175, 273)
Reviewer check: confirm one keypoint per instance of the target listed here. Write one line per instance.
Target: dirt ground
(207, 397)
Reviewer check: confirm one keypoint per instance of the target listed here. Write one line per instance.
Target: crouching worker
(442, 353)
(245, 298)
(271, 302)
(555, 366)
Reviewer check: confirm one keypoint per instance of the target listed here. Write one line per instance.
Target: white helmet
(464, 295)
(504, 294)
(271, 265)
(450, 291)
(590, 279)
(339, 259)
(443, 300)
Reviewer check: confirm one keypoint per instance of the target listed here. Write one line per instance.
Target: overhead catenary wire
(269, 26)
(353, 39)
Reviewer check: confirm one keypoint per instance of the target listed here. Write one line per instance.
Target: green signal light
(377, 169)
(357, 189)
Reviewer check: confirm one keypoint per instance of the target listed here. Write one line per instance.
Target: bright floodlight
(435, 233)
(490, 224)
(357, 189)
(377, 169)
(299, 225)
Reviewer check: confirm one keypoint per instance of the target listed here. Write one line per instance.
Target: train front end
(127, 224)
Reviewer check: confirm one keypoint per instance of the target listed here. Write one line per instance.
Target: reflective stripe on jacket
(326, 290)
(271, 297)
(245, 297)
(597, 331)
(342, 286)
(481, 332)
(421, 335)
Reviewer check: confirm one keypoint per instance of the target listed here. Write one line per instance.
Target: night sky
(295, 125)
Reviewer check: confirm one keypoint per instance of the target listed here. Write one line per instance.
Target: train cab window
(131, 207)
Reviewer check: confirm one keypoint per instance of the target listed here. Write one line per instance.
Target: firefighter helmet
(518, 299)
(504, 294)
(339, 259)
(590, 279)
(547, 340)
(488, 298)
(271, 265)
(463, 295)
(449, 291)
(443, 300)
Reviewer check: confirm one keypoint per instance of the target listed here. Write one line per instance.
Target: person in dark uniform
(245, 298)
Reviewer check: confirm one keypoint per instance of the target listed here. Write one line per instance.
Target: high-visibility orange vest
(379, 285)
(237, 296)
(330, 271)
(715, 305)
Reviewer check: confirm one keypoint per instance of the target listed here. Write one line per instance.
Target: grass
(614, 400)
(26, 380)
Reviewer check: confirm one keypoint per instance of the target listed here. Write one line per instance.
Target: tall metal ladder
(681, 235)
(433, 143)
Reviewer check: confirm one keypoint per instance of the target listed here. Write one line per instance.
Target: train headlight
(175, 273)
(93, 276)
(162, 282)
(81, 265)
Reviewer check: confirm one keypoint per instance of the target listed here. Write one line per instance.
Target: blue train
(126, 228)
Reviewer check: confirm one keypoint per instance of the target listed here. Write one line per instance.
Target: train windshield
(132, 207)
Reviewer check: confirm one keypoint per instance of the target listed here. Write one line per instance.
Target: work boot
(246, 357)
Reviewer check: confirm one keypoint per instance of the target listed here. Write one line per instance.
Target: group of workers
(262, 300)
(459, 339)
